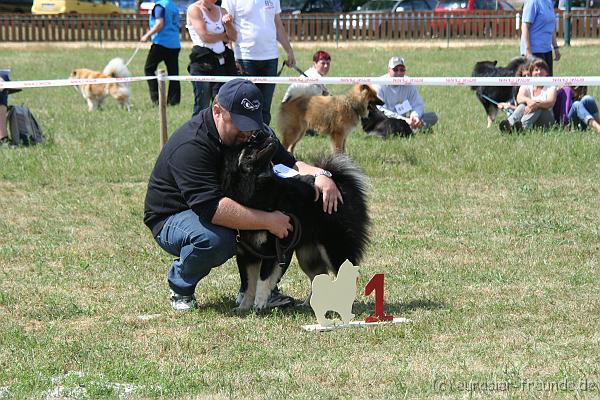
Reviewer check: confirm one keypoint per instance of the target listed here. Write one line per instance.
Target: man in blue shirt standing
(538, 31)
(164, 32)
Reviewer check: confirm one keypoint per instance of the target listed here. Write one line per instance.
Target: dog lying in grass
(321, 241)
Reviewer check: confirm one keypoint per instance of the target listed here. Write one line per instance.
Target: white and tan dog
(95, 94)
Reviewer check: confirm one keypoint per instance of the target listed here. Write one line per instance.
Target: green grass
(489, 245)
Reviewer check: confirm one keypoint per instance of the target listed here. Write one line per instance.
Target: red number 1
(376, 284)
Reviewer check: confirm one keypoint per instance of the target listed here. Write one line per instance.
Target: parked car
(147, 6)
(15, 6)
(397, 5)
(128, 4)
(74, 7)
(577, 4)
(375, 14)
(468, 7)
(311, 6)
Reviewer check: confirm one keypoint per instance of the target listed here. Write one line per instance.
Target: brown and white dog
(95, 94)
(335, 116)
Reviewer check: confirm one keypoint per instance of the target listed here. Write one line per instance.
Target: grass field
(489, 245)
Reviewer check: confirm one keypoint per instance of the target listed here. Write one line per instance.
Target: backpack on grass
(24, 129)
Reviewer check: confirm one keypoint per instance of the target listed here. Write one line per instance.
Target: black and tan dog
(335, 116)
(489, 96)
(321, 241)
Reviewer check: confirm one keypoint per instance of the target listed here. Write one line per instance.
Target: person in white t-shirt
(535, 103)
(320, 67)
(259, 28)
(403, 110)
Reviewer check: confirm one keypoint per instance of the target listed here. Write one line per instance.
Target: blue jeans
(582, 111)
(202, 96)
(262, 68)
(200, 246)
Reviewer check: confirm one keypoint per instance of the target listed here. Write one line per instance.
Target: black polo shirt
(186, 173)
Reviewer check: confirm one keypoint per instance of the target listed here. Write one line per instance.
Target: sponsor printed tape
(69, 82)
(429, 81)
(425, 81)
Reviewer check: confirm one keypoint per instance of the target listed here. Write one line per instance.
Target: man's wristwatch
(323, 172)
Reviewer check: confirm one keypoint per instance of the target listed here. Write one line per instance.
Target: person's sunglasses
(399, 69)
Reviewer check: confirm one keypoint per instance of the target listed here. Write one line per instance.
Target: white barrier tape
(425, 81)
(68, 82)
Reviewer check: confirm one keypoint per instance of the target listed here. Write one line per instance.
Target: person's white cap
(395, 61)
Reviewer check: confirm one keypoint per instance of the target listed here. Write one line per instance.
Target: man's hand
(415, 122)
(279, 224)
(291, 60)
(331, 195)
(556, 54)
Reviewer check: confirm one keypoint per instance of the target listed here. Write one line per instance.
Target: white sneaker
(182, 303)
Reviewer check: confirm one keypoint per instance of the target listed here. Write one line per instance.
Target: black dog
(377, 124)
(497, 94)
(322, 242)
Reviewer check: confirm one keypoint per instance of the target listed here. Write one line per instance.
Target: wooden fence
(302, 27)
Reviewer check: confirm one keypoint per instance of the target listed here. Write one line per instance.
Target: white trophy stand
(338, 295)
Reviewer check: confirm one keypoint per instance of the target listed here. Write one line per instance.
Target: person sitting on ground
(574, 106)
(522, 71)
(4, 139)
(185, 207)
(535, 103)
(320, 67)
(403, 110)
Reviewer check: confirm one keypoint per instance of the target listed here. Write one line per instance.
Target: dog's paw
(240, 310)
(260, 305)
(245, 303)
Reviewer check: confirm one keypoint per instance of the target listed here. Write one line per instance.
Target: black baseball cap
(244, 101)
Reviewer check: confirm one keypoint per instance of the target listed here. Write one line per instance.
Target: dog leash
(294, 67)
(280, 249)
(507, 111)
(137, 48)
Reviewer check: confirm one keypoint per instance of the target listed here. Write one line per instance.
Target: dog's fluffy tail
(298, 90)
(353, 214)
(116, 68)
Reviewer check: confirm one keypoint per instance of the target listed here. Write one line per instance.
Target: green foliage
(488, 243)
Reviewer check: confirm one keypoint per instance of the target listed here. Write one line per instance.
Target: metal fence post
(567, 23)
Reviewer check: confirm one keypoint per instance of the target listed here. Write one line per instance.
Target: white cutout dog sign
(337, 295)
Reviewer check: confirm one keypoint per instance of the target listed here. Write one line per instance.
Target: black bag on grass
(24, 129)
